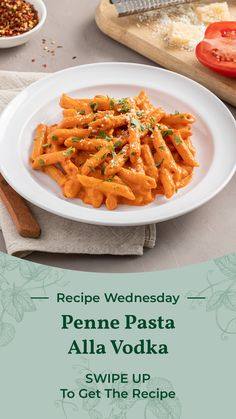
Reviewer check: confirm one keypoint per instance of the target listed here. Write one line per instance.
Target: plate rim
(136, 222)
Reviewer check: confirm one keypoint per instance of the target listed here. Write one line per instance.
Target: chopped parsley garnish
(103, 156)
(177, 140)
(81, 112)
(167, 132)
(112, 104)
(110, 179)
(54, 137)
(133, 153)
(124, 105)
(113, 151)
(159, 163)
(150, 128)
(103, 135)
(134, 123)
(176, 113)
(92, 168)
(153, 120)
(94, 106)
(76, 140)
(140, 114)
(41, 161)
(162, 147)
(69, 151)
(182, 117)
(118, 144)
(47, 145)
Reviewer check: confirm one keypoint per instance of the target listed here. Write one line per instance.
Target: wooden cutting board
(140, 38)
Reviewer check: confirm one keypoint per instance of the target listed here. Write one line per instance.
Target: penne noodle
(59, 135)
(163, 153)
(183, 150)
(111, 202)
(150, 166)
(77, 121)
(71, 188)
(39, 142)
(132, 177)
(134, 143)
(138, 165)
(167, 182)
(69, 112)
(94, 161)
(106, 187)
(86, 144)
(69, 167)
(117, 161)
(107, 122)
(178, 119)
(184, 182)
(56, 174)
(52, 158)
(79, 105)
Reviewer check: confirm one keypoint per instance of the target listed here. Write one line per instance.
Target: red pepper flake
(17, 17)
(33, 60)
(44, 65)
(73, 58)
(59, 46)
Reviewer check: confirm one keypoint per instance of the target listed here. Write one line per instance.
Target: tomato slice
(217, 51)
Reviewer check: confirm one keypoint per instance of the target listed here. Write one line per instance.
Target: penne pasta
(53, 158)
(113, 151)
(59, 135)
(183, 150)
(94, 161)
(39, 141)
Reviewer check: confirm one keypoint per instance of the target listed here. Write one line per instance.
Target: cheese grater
(130, 7)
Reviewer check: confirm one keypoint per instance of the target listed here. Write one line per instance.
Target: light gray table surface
(206, 233)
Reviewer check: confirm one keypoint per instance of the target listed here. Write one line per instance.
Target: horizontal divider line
(196, 298)
(39, 298)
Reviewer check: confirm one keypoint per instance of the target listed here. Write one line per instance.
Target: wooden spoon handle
(25, 222)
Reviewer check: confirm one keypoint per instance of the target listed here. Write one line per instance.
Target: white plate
(214, 136)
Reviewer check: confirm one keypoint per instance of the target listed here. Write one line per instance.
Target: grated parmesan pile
(179, 26)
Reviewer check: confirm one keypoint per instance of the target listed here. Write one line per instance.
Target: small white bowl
(13, 41)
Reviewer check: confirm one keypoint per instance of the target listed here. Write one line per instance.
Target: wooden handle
(25, 223)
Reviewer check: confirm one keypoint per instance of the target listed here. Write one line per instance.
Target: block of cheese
(214, 12)
(184, 35)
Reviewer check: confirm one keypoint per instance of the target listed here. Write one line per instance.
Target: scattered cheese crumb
(187, 21)
(184, 34)
(214, 12)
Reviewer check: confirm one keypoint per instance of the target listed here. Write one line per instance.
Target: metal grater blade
(129, 7)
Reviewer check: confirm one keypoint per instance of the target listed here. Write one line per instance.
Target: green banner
(77, 345)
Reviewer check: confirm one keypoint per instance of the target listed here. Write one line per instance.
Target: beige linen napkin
(60, 235)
